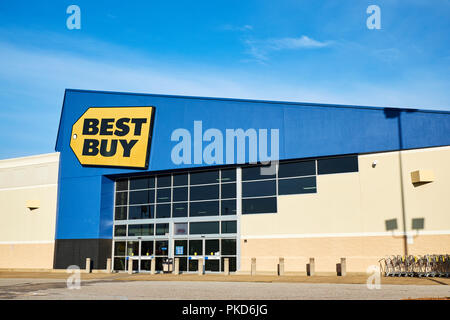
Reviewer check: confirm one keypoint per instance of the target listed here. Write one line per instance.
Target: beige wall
(346, 217)
(27, 236)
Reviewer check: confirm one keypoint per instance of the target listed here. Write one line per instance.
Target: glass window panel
(180, 194)
(204, 208)
(204, 192)
(204, 227)
(134, 230)
(162, 229)
(259, 205)
(142, 183)
(119, 264)
(212, 265)
(228, 190)
(195, 247)
(142, 197)
(122, 185)
(164, 181)
(163, 195)
(231, 264)
(119, 248)
(295, 169)
(147, 248)
(141, 212)
(180, 179)
(228, 207)
(181, 248)
(163, 210)
(212, 247)
(121, 213)
(147, 230)
(133, 248)
(183, 263)
(204, 177)
(121, 198)
(228, 175)
(159, 264)
(228, 247)
(120, 231)
(146, 265)
(193, 265)
(180, 228)
(254, 173)
(338, 165)
(297, 185)
(259, 188)
(179, 210)
(229, 227)
(161, 248)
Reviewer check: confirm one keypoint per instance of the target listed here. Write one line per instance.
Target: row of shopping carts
(430, 265)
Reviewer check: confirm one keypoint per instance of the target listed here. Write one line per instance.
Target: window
(141, 212)
(228, 207)
(204, 208)
(259, 188)
(121, 198)
(228, 175)
(142, 183)
(120, 231)
(162, 229)
(228, 246)
(180, 194)
(259, 205)
(164, 181)
(297, 185)
(204, 177)
(142, 197)
(204, 192)
(338, 165)
(254, 173)
(180, 210)
(163, 211)
(228, 190)
(181, 228)
(120, 213)
(119, 248)
(204, 227)
(180, 179)
(181, 247)
(229, 227)
(297, 169)
(122, 185)
(163, 195)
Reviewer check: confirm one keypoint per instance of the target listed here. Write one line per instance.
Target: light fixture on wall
(374, 163)
(33, 204)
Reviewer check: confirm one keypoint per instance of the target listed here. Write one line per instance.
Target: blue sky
(308, 51)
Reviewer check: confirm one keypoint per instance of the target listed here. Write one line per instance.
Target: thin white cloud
(261, 49)
(229, 27)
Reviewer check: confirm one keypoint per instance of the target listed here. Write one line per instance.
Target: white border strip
(343, 235)
(28, 242)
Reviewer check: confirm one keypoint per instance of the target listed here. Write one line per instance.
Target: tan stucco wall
(27, 236)
(346, 217)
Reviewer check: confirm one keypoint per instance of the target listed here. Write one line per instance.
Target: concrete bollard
(176, 266)
(130, 266)
(88, 265)
(226, 266)
(253, 268)
(281, 267)
(108, 265)
(311, 267)
(153, 266)
(341, 268)
(200, 266)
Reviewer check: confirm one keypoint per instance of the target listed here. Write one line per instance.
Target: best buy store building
(353, 182)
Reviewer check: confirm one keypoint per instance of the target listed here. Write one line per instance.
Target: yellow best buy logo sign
(113, 137)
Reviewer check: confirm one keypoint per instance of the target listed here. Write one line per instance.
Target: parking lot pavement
(209, 290)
